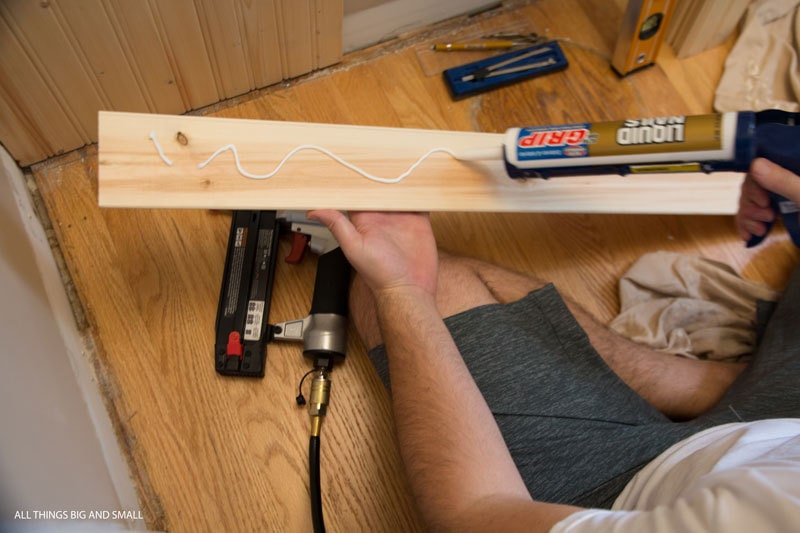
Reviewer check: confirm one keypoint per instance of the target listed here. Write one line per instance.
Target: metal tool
(505, 69)
(497, 69)
(242, 331)
(242, 328)
(527, 38)
(324, 331)
(480, 76)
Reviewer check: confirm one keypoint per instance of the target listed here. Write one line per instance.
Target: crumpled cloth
(761, 71)
(689, 306)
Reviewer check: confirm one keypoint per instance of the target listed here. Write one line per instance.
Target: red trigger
(299, 244)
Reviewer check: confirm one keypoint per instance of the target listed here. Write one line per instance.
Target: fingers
(754, 203)
(754, 210)
(339, 225)
(753, 194)
(323, 215)
(776, 178)
(748, 227)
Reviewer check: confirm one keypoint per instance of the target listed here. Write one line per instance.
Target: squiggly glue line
(300, 148)
(164, 158)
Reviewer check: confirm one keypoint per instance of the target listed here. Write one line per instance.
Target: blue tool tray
(551, 54)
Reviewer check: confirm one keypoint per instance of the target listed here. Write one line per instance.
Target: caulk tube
(700, 143)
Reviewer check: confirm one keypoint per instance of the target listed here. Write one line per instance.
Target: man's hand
(389, 250)
(754, 206)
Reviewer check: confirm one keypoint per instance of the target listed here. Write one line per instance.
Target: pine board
(132, 173)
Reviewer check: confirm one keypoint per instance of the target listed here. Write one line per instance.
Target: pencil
(483, 45)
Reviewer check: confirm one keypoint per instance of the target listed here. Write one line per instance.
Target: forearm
(458, 465)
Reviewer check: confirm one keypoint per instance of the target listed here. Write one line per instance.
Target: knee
(488, 282)
(460, 285)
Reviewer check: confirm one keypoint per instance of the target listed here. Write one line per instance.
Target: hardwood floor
(217, 454)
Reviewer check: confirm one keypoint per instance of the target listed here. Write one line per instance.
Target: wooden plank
(219, 20)
(132, 174)
(17, 133)
(296, 39)
(328, 16)
(177, 21)
(90, 29)
(55, 58)
(139, 33)
(262, 42)
(29, 94)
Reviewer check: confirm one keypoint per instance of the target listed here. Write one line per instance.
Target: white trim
(74, 346)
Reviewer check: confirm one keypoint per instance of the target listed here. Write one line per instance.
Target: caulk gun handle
(780, 143)
(332, 284)
(788, 211)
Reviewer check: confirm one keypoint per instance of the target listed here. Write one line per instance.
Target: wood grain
(46, 47)
(61, 62)
(215, 454)
(132, 173)
(44, 122)
(146, 55)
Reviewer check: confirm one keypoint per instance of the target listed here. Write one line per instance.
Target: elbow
(507, 513)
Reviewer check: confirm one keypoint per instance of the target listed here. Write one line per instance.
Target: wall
(57, 448)
(63, 60)
(367, 22)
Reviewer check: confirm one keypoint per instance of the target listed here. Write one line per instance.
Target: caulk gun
(703, 143)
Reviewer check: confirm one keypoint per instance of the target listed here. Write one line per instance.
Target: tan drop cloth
(761, 71)
(689, 306)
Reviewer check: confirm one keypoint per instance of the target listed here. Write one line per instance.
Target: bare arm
(458, 465)
(461, 471)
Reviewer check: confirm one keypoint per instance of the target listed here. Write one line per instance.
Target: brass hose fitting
(320, 397)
